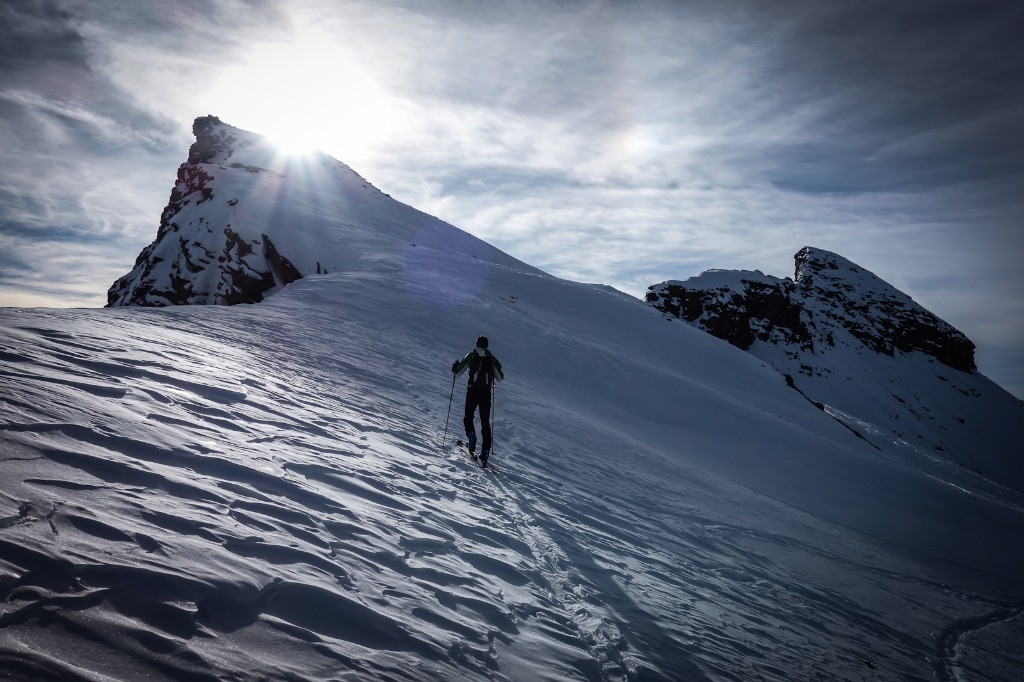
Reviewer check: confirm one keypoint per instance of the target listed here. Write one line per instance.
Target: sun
(300, 142)
(307, 94)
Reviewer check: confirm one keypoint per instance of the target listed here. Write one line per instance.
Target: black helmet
(481, 341)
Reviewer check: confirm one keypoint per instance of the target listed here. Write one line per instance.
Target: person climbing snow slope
(484, 370)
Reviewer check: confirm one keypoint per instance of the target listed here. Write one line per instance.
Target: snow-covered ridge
(863, 351)
(827, 291)
(245, 219)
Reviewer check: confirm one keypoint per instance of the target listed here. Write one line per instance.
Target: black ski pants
(479, 397)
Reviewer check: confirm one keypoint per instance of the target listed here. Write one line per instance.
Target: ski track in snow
(301, 514)
(1000, 653)
(581, 604)
(236, 494)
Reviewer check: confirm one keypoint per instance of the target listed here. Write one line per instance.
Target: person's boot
(483, 458)
(471, 442)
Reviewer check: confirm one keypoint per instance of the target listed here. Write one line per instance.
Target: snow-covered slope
(261, 492)
(245, 218)
(867, 354)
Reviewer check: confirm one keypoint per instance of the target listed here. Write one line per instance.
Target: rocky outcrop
(747, 308)
(881, 317)
(199, 256)
(213, 140)
(850, 343)
(827, 295)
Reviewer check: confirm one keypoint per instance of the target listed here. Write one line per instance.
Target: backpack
(481, 370)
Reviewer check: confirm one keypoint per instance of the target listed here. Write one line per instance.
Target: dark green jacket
(467, 362)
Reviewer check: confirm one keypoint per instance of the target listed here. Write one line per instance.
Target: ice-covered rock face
(829, 293)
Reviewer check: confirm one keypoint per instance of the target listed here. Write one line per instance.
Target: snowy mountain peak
(861, 350)
(876, 313)
(213, 139)
(245, 218)
(811, 260)
(827, 293)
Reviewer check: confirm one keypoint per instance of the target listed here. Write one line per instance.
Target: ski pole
(450, 398)
(493, 412)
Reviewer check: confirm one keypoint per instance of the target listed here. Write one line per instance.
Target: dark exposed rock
(756, 311)
(212, 139)
(828, 294)
(283, 270)
(881, 317)
(863, 352)
(193, 260)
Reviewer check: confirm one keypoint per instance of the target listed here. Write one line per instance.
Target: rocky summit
(199, 256)
(828, 293)
(209, 248)
(246, 218)
(859, 349)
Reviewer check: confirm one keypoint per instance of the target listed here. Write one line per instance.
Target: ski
(473, 455)
(466, 449)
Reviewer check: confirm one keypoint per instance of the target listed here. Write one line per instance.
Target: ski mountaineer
(484, 370)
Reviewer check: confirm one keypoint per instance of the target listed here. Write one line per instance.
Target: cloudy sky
(622, 142)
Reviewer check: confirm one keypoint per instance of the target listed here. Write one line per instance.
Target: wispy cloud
(620, 142)
(55, 273)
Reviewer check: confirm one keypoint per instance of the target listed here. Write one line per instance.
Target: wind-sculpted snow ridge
(259, 492)
(864, 352)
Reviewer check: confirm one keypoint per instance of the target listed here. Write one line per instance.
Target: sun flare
(307, 94)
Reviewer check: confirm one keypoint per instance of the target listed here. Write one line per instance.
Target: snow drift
(261, 492)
